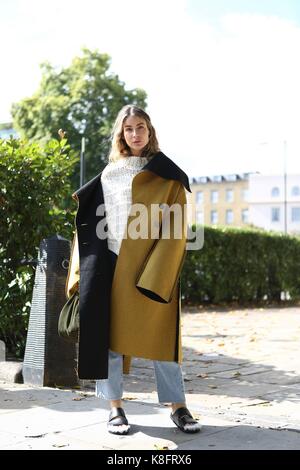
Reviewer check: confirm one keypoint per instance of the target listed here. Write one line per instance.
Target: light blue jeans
(168, 375)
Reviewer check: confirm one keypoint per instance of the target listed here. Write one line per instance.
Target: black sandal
(185, 421)
(117, 422)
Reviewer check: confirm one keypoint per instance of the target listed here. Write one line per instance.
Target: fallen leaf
(161, 447)
(236, 374)
(203, 376)
(213, 386)
(60, 445)
(221, 344)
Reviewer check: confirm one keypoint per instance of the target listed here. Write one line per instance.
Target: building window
(229, 195)
(295, 214)
(217, 178)
(199, 217)
(214, 196)
(229, 216)
(203, 179)
(295, 191)
(275, 214)
(245, 216)
(231, 177)
(199, 197)
(245, 193)
(214, 217)
(275, 192)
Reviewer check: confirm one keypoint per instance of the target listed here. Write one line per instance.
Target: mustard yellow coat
(134, 310)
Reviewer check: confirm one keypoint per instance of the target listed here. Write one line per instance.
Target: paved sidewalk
(242, 378)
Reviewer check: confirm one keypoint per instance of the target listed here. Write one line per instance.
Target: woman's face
(136, 134)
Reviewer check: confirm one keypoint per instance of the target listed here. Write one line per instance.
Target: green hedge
(35, 203)
(237, 265)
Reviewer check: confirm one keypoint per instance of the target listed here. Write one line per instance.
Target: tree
(83, 99)
(34, 182)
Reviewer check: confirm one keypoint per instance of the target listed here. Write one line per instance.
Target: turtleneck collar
(130, 162)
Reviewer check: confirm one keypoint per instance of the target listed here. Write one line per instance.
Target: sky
(222, 76)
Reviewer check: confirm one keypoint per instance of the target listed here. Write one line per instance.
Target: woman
(130, 270)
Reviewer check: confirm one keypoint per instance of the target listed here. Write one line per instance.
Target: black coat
(97, 269)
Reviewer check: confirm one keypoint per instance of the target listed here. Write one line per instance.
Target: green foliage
(242, 266)
(34, 182)
(82, 99)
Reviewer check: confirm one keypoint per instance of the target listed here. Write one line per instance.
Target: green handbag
(68, 322)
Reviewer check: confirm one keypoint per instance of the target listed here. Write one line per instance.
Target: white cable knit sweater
(116, 181)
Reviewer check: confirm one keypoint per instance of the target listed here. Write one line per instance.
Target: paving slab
(245, 438)
(242, 380)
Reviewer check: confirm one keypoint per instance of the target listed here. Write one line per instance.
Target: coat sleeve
(72, 283)
(161, 271)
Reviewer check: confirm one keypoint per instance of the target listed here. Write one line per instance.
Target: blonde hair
(119, 148)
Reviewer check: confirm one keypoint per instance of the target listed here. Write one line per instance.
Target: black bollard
(49, 360)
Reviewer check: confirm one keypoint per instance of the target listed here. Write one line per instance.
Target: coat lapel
(166, 168)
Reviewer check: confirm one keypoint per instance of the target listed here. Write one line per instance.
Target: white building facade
(274, 203)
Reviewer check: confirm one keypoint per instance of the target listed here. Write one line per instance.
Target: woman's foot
(185, 421)
(117, 422)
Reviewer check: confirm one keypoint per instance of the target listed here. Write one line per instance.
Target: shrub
(35, 203)
(242, 265)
